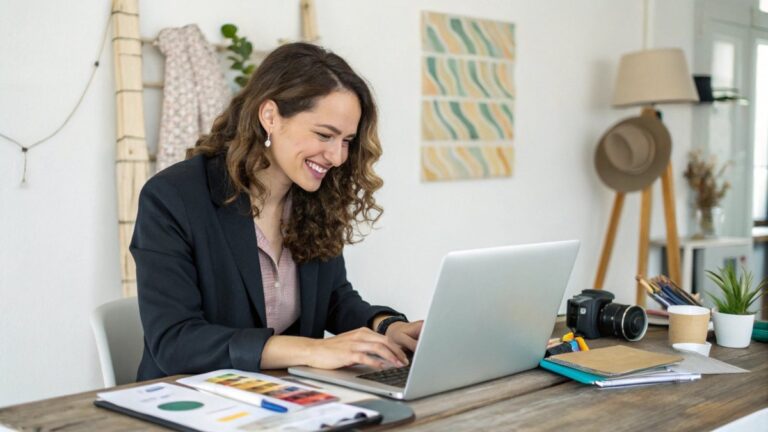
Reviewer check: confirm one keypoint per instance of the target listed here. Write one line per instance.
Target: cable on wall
(26, 148)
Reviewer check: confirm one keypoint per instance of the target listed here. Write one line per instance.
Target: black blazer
(199, 282)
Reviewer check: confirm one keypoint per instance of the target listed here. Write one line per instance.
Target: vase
(733, 331)
(709, 221)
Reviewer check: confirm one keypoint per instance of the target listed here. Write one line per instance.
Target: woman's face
(309, 144)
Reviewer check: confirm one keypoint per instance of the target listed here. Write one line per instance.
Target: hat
(633, 153)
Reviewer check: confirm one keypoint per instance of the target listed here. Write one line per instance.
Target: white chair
(119, 340)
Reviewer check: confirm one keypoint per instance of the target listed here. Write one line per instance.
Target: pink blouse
(279, 276)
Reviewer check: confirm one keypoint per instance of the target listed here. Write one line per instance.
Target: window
(760, 188)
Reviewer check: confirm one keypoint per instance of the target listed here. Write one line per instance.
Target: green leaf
(229, 30)
(249, 69)
(247, 49)
(241, 81)
(237, 65)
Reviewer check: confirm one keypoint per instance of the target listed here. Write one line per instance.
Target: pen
(273, 406)
(267, 405)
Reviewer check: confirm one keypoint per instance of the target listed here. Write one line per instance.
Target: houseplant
(732, 317)
(708, 187)
(241, 49)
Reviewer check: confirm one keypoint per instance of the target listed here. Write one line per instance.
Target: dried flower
(707, 182)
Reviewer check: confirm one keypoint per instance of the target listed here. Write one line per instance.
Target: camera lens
(629, 322)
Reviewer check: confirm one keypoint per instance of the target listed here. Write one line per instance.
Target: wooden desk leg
(673, 242)
(645, 235)
(610, 236)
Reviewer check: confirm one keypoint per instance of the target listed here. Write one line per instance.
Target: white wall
(58, 240)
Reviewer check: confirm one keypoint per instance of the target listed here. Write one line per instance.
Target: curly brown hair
(295, 76)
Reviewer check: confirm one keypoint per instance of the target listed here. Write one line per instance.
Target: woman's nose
(334, 153)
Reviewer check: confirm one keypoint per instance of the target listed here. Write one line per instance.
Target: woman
(238, 249)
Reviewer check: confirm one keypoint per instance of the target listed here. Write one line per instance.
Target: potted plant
(732, 317)
(241, 49)
(708, 187)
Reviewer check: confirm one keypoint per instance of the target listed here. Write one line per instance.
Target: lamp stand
(670, 218)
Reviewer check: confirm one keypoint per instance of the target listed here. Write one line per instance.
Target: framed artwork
(468, 94)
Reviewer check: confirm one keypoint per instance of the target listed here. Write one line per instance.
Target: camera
(593, 314)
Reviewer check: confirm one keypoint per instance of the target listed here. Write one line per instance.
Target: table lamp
(647, 78)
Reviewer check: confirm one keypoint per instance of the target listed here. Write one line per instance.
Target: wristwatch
(384, 324)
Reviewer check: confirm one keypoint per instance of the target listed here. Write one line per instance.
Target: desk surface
(534, 399)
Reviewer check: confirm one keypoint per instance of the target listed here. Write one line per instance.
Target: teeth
(317, 167)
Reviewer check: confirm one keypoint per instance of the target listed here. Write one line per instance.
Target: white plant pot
(733, 331)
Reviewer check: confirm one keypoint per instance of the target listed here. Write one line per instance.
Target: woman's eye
(347, 142)
(323, 137)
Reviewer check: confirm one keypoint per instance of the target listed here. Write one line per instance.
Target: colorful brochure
(258, 389)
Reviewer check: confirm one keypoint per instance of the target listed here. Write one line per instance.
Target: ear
(268, 115)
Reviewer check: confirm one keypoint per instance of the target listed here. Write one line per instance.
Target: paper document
(649, 378)
(697, 363)
(180, 405)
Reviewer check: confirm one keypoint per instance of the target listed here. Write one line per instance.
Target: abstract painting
(468, 95)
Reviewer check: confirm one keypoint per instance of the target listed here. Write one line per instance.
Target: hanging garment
(195, 91)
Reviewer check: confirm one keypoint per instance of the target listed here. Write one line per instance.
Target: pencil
(645, 284)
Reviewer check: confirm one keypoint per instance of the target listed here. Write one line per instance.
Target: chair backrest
(119, 340)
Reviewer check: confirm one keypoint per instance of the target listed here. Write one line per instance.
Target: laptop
(491, 315)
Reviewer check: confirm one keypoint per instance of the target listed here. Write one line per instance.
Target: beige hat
(633, 153)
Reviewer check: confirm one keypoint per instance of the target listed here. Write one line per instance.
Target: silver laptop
(491, 315)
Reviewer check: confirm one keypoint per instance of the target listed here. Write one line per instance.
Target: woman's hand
(405, 335)
(360, 346)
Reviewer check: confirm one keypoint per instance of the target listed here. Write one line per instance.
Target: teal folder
(574, 374)
(659, 376)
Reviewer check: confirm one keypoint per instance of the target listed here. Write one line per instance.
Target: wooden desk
(534, 399)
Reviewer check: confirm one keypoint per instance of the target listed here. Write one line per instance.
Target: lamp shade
(654, 76)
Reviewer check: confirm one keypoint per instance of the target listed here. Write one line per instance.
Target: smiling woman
(239, 248)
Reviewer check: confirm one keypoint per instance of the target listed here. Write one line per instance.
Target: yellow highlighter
(567, 337)
(582, 345)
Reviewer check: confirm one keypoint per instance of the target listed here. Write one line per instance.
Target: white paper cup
(688, 324)
(702, 349)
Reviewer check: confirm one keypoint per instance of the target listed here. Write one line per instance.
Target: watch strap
(385, 323)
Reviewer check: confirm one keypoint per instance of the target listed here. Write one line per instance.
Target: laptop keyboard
(395, 377)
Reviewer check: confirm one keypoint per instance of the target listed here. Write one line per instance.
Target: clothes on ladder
(194, 94)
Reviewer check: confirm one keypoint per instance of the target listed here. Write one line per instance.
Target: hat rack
(670, 219)
(133, 159)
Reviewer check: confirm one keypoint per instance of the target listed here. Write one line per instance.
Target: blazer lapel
(237, 225)
(308, 292)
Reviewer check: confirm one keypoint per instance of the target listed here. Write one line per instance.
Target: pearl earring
(268, 142)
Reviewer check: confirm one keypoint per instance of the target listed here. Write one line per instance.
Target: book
(653, 376)
(258, 389)
(614, 360)
(185, 409)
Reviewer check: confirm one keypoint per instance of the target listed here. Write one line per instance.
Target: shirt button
(277, 284)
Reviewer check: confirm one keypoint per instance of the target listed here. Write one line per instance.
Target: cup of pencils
(688, 319)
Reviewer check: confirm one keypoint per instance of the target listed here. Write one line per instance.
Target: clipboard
(340, 426)
(188, 410)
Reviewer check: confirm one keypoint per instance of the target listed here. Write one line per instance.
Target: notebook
(614, 361)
